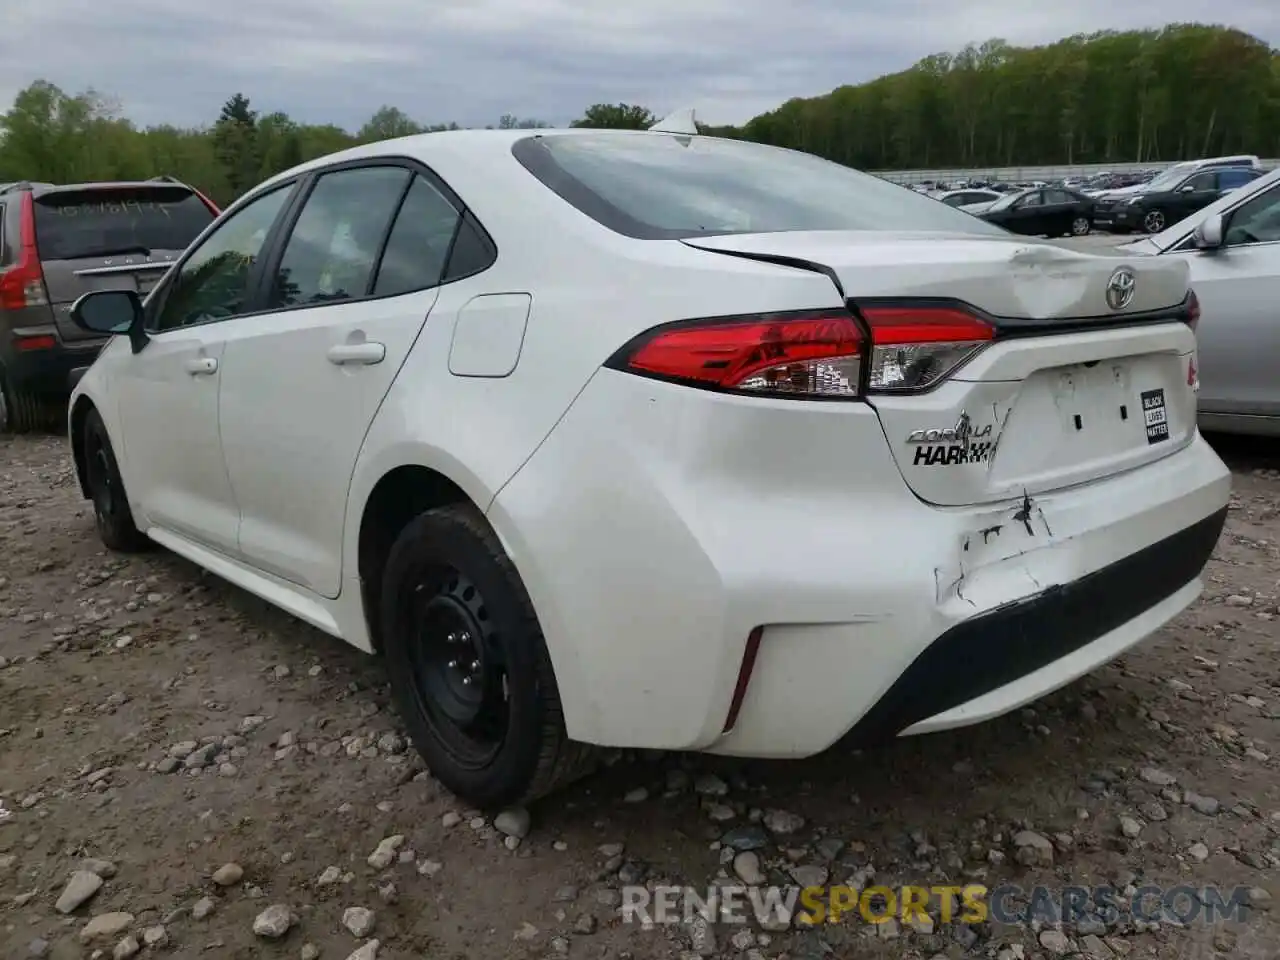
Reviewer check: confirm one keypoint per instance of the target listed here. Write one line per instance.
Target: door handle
(202, 366)
(357, 353)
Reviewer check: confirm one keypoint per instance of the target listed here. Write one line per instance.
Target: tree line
(1136, 96)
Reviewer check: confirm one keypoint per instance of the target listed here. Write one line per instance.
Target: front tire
(1153, 221)
(111, 510)
(1080, 227)
(468, 665)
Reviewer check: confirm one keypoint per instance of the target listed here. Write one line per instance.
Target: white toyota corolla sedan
(644, 439)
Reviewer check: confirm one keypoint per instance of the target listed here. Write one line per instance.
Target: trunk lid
(1070, 390)
(111, 237)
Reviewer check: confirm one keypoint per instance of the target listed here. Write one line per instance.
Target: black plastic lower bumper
(1007, 643)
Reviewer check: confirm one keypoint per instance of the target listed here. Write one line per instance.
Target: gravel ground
(185, 771)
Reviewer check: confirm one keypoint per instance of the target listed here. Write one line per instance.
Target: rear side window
(1229, 179)
(100, 222)
(655, 186)
(419, 242)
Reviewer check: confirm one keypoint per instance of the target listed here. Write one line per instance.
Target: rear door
(111, 237)
(348, 294)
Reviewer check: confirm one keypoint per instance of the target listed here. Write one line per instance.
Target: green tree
(388, 123)
(616, 116)
(235, 140)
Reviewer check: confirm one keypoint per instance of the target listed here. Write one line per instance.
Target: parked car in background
(363, 393)
(1176, 193)
(1039, 212)
(60, 241)
(1233, 249)
(959, 198)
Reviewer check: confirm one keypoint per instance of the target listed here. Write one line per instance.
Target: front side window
(1257, 220)
(214, 282)
(655, 186)
(1030, 200)
(332, 252)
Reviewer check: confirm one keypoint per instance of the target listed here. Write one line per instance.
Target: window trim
(158, 296)
(312, 177)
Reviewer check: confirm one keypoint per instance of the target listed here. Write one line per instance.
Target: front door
(303, 382)
(168, 392)
(1239, 291)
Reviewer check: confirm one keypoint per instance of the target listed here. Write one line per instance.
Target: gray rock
(809, 875)
(1198, 852)
(1157, 777)
(202, 908)
(155, 936)
(103, 868)
(106, 926)
(1205, 805)
(514, 822)
(450, 819)
(585, 925)
(1095, 949)
(709, 785)
(1130, 827)
(747, 866)
(750, 837)
(782, 822)
(385, 853)
(366, 951)
(1055, 942)
(1033, 849)
(79, 890)
(309, 951)
(637, 795)
(39, 947)
(126, 948)
(359, 921)
(274, 922)
(1153, 811)
(228, 875)
(702, 937)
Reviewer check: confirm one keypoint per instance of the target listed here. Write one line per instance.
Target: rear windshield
(656, 186)
(88, 223)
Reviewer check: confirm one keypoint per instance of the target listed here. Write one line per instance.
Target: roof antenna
(682, 121)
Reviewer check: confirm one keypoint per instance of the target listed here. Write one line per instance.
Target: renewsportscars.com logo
(773, 907)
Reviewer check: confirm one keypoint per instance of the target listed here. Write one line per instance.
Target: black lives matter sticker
(1155, 415)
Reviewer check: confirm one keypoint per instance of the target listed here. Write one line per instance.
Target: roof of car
(41, 188)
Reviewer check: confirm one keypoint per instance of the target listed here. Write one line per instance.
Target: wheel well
(79, 413)
(401, 495)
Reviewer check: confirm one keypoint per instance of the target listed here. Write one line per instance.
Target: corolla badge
(1121, 288)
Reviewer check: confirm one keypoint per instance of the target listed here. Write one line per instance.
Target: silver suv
(60, 241)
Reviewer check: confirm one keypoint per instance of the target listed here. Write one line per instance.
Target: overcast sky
(473, 60)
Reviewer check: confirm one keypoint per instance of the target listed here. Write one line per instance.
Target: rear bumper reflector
(744, 677)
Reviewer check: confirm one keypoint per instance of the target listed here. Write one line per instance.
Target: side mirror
(1187, 189)
(111, 311)
(1209, 234)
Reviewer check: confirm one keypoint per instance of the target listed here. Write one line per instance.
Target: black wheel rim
(457, 666)
(102, 485)
(1154, 222)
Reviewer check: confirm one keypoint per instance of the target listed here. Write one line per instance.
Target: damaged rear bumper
(1028, 597)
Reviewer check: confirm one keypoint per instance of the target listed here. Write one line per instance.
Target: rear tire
(468, 665)
(20, 411)
(1081, 227)
(106, 489)
(1154, 221)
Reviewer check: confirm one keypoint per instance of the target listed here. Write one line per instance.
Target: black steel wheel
(111, 510)
(469, 668)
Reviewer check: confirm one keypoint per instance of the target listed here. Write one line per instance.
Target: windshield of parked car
(1008, 200)
(1170, 178)
(656, 186)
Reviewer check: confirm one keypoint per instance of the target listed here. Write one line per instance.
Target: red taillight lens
(811, 354)
(915, 347)
(1193, 309)
(22, 285)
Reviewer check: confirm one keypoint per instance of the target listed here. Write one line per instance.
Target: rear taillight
(1193, 309)
(22, 285)
(811, 354)
(916, 347)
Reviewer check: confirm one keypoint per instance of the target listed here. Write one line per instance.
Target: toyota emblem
(1120, 288)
